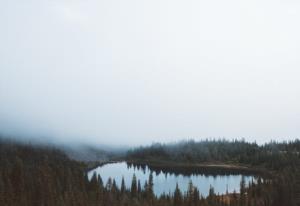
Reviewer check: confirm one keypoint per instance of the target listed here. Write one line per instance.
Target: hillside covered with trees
(272, 155)
(39, 175)
(279, 161)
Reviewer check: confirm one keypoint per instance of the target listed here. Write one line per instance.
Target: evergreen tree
(94, 182)
(109, 184)
(133, 186)
(243, 191)
(196, 196)
(211, 196)
(177, 196)
(139, 188)
(123, 186)
(150, 192)
(190, 193)
(100, 181)
(114, 188)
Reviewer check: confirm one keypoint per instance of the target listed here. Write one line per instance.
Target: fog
(135, 72)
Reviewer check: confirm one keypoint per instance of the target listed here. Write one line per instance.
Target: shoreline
(205, 168)
(209, 168)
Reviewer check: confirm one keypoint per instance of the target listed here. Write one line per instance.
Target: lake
(166, 182)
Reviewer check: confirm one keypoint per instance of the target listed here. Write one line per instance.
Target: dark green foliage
(123, 187)
(134, 186)
(150, 193)
(40, 176)
(177, 196)
(243, 192)
(272, 155)
(279, 162)
(139, 187)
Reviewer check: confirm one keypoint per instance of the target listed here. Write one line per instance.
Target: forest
(37, 175)
(272, 155)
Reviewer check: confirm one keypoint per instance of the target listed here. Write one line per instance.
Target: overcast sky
(142, 71)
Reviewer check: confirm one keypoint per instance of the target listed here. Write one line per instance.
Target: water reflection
(166, 182)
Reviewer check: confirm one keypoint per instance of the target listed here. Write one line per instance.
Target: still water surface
(166, 183)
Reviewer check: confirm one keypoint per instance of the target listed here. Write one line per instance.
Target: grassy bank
(209, 168)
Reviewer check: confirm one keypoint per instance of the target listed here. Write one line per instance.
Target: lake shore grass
(213, 168)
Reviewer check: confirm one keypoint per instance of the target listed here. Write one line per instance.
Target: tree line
(280, 160)
(42, 176)
(272, 155)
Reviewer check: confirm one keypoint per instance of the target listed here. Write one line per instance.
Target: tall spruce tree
(133, 189)
(123, 186)
(177, 196)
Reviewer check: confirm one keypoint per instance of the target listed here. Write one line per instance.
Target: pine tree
(211, 196)
(123, 186)
(145, 190)
(94, 182)
(139, 188)
(196, 196)
(177, 196)
(190, 193)
(190, 189)
(114, 188)
(243, 191)
(133, 186)
(100, 181)
(150, 192)
(109, 184)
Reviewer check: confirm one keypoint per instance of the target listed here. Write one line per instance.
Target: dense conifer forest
(272, 155)
(45, 176)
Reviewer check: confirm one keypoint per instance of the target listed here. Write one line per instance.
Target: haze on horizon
(136, 72)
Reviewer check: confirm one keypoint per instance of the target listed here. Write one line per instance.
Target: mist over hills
(85, 152)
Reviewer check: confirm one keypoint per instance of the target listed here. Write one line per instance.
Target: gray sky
(138, 71)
